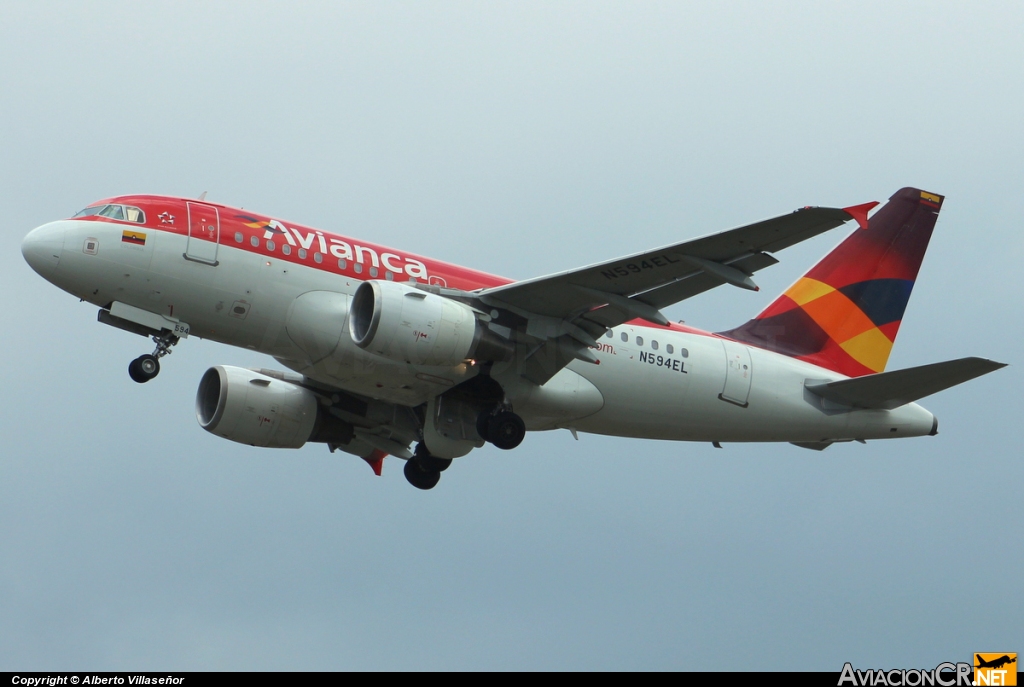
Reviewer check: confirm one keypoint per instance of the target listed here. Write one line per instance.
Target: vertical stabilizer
(844, 313)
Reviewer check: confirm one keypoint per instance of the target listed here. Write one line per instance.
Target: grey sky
(521, 139)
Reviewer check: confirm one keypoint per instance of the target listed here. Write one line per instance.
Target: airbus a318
(390, 353)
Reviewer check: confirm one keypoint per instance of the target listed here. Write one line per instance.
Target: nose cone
(42, 248)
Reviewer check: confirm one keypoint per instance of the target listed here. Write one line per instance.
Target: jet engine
(407, 324)
(252, 408)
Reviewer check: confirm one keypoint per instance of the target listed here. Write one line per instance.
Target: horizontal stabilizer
(888, 390)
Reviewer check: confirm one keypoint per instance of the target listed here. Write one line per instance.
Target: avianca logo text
(341, 249)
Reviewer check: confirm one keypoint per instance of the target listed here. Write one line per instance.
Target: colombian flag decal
(137, 238)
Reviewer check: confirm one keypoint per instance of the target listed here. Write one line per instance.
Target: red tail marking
(860, 212)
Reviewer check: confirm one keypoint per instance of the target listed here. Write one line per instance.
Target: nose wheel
(146, 367)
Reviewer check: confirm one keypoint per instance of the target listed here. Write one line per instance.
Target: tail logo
(855, 317)
(844, 314)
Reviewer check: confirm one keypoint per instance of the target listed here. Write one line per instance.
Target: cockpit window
(121, 212)
(113, 212)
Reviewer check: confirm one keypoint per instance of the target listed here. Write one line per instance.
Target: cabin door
(737, 373)
(203, 233)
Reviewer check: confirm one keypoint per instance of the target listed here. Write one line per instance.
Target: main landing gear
(504, 429)
(146, 367)
(424, 470)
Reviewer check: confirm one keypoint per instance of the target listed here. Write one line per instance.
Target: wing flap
(888, 390)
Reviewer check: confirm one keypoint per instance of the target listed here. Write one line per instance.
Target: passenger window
(639, 341)
(318, 257)
(238, 237)
(609, 333)
(135, 215)
(373, 272)
(286, 249)
(359, 268)
(683, 352)
(255, 241)
(668, 349)
(342, 263)
(113, 212)
(654, 344)
(390, 276)
(625, 336)
(271, 246)
(302, 254)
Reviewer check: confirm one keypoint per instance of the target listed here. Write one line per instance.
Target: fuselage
(282, 289)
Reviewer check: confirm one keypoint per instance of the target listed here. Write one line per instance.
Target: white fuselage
(706, 389)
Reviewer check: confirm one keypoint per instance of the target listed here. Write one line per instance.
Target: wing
(566, 312)
(376, 428)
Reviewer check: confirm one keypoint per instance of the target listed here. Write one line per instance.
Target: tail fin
(844, 313)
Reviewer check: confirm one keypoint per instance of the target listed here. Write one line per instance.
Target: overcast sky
(518, 138)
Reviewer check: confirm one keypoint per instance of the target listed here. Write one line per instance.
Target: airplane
(390, 353)
(994, 663)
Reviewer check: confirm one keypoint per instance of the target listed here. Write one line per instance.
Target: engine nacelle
(407, 324)
(252, 408)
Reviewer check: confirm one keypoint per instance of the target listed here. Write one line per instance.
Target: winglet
(376, 461)
(860, 212)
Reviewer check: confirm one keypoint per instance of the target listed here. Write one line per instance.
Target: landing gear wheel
(435, 464)
(429, 462)
(506, 430)
(419, 476)
(144, 368)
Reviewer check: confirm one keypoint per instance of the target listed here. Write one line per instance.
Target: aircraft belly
(560, 402)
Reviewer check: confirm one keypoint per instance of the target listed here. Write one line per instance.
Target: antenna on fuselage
(202, 196)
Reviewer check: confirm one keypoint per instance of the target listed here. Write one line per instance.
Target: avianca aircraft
(397, 354)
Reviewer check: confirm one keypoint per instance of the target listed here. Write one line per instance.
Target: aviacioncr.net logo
(943, 675)
(995, 669)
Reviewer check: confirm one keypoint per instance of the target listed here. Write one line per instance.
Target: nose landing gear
(146, 367)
